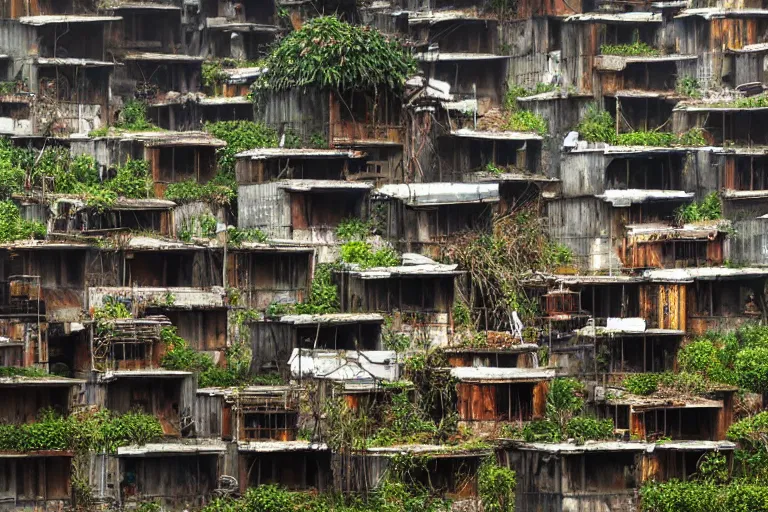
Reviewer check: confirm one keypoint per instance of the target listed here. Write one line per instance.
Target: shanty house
(35, 480)
(419, 295)
(176, 474)
(489, 395)
(651, 418)
(467, 151)
(420, 217)
(295, 465)
(173, 156)
(168, 395)
(61, 62)
(603, 475)
(146, 27)
(273, 341)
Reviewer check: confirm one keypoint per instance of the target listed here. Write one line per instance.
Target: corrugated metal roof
(161, 57)
(309, 185)
(719, 12)
(483, 374)
(82, 63)
(178, 448)
(500, 135)
(280, 446)
(333, 318)
(169, 138)
(143, 6)
(625, 198)
(238, 26)
(703, 274)
(433, 194)
(423, 270)
(51, 381)
(269, 153)
(457, 56)
(39, 21)
(623, 17)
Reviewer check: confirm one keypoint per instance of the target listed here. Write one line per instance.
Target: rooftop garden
(331, 54)
(599, 126)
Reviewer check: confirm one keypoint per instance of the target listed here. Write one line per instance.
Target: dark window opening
(276, 425)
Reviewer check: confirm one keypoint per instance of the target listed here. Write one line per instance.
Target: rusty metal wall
(265, 206)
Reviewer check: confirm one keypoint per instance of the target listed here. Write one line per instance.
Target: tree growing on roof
(331, 54)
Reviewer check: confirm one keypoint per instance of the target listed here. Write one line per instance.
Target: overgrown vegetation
(102, 432)
(526, 121)
(499, 260)
(709, 208)
(688, 86)
(599, 126)
(496, 486)
(22, 371)
(354, 229)
(240, 136)
(636, 49)
(390, 496)
(364, 255)
(13, 227)
(331, 54)
(757, 101)
(323, 296)
(518, 91)
(190, 191)
(565, 402)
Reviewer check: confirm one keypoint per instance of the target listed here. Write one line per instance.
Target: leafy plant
(636, 49)
(751, 368)
(363, 254)
(180, 356)
(526, 121)
(688, 86)
(564, 401)
(16, 371)
(641, 383)
(331, 54)
(586, 428)
(518, 91)
(13, 227)
(133, 117)
(710, 208)
(597, 126)
(496, 486)
(190, 191)
(353, 228)
(237, 236)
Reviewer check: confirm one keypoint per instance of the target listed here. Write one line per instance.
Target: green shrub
(597, 126)
(132, 180)
(526, 121)
(496, 486)
(586, 428)
(646, 138)
(710, 208)
(641, 383)
(133, 117)
(20, 371)
(635, 49)
(353, 229)
(191, 191)
(362, 253)
(331, 54)
(13, 227)
(688, 86)
(542, 431)
(518, 91)
(752, 369)
(180, 356)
